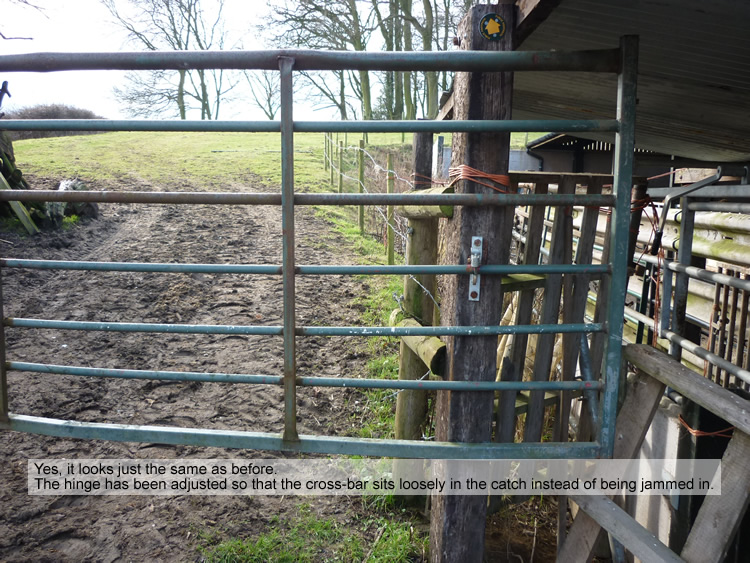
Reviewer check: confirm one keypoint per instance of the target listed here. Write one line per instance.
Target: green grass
(173, 158)
(69, 222)
(309, 538)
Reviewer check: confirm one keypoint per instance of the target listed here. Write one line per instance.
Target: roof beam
(531, 13)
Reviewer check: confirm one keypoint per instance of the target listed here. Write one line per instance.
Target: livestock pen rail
(621, 61)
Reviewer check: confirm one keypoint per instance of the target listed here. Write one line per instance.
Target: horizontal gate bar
(307, 381)
(303, 331)
(219, 198)
(406, 126)
(144, 327)
(721, 206)
(156, 375)
(447, 330)
(307, 444)
(539, 269)
(605, 60)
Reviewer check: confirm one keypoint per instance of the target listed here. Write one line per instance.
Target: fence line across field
(390, 225)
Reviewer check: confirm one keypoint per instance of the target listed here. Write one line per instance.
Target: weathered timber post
(325, 151)
(458, 522)
(421, 248)
(341, 166)
(361, 177)
(330, 157)
(389, 211)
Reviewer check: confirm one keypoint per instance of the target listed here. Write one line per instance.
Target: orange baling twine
(726, 433)
(464, 172)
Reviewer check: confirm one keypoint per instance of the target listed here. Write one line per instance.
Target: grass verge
(309, 538)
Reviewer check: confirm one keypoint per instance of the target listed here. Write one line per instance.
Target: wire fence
(345, 163)
(390, 228)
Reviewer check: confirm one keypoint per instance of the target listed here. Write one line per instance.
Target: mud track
(96, 528)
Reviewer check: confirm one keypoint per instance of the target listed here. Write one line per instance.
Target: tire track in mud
(112, 528)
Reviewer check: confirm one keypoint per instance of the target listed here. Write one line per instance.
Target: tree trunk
(181, 95)
(409, 106)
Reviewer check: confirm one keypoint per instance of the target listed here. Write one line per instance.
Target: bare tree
(23, 3)
(264, 89)
(178, 25)
(335, 24)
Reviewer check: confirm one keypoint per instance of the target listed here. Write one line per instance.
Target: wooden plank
(532, 14)
(575, 303)
(512, 368)
(520, 282)
(720, 515)
(20, 210)
(636, 539)
(641, 402)
(722, 402)
(458, 522)
(550, 314)
(446, 110)
(575, 293)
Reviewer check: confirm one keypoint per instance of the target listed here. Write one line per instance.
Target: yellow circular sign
(492, 27)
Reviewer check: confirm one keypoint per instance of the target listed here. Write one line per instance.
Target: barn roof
(693, 80)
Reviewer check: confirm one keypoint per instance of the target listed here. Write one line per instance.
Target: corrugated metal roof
(694, 72)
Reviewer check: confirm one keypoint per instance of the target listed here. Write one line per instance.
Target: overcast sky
(86, 26)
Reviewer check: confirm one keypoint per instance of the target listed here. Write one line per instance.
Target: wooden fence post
(330, 157)
(389, 211)
(341, 166)
(325, 151)
(458, 522)
(361, 169)
(421, 248)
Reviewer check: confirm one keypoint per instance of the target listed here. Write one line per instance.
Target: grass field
(170, 157)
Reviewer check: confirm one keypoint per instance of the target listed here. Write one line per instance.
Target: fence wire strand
(379, 209)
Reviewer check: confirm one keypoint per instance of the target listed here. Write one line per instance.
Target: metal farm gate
(621, 61)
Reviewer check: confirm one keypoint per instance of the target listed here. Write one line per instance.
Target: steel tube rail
(269, 269)
(156, 375)
(307, 444)
(721, 206)
(305, 381)
(704, 354)
(592, 398)
(449, 330)
(3, 370)
(605, 60)
(619, 241)
(157, 328)
(708, 275)
(286, 64)
(409, 126)
(219, 198)
(248, 330)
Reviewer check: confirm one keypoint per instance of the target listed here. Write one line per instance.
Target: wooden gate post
(421, 248)
(458, 522)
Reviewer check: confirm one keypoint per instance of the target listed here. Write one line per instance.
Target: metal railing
(677, 271)
(621, 61)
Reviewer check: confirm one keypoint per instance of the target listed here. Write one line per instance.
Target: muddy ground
(143, 528)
